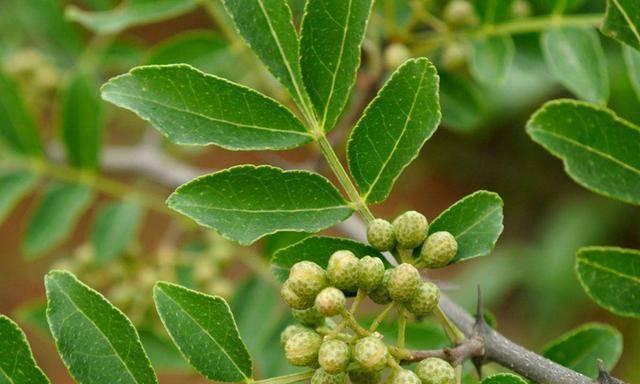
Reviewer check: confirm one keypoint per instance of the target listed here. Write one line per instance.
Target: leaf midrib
(627, 18)
(480, 220)
(612, 271)
(191, 205)
(4, 373)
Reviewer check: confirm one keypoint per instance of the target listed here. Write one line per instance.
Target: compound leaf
(622, 22)
(17, 365)
(17, 128)
(14, 186)
(115, 227)
(504, 378)
(491, 58)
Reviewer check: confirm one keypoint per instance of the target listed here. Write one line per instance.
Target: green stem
(453, 332)
(356, 302)
(287, 379)
(380, 318)
(406, 255)
(402, 326)
(353, 323)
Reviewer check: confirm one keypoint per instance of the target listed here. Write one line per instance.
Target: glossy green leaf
(332, 33)
(130, 13)
(393, 128)
(491, 59)
(632, 62)
(17, 365)
(611, 277)
(97, 342)
(576, 59)
(55, 216)
(203, 50)
(273, 243)
(476, 223)
(17, 128)
(317, 249)
(504, 378)
(463, 104)
(246, 202)
(203, 329)
(115, 227)
(267, 27)
(13, 187)
(581, 348)
(81, 121)
(191, 107)
(599, 149)
(622, 22)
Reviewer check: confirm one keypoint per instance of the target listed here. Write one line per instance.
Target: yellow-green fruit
(302, 348)
(309, 317)
(307, 278)
(380, 295)
(439, 249)
(425, 299)
(410, 229)
(395, 55)
(290, 331)
(403, 376)
(371, 273)
(330, 301)
(292, 299)
(343, 270)
(371, 353)
(360, 376)
(454, 56)
(380, 235)
(320, 376)
(334, 356)
(435, 371)
(459, 13)
(404, 281)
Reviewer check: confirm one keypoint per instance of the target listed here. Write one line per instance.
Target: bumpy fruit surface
(371, 273)
(320, 376)
(459, 13)
(380, 295)
(425, 299)
(410, 229)
(360, 376)
(380, 235)
(343, 270)
(435, 371)
(307, 278)
(330, 301)
(403, 376)
(334, 356)
(404, 281)
(302, 348)
(439, 249)
(371, 353)
(292, 299)
(290, 331)
(309, 317)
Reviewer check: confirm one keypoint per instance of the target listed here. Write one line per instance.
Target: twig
(468, 348)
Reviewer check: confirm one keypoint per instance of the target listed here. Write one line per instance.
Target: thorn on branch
(603, 375)
(479, 328)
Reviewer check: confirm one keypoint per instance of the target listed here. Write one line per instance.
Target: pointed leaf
(491, 59)
(632, 62)
(581, 348)
(246, 202)
(13, 187)
(204, 330)
(332, 33)
(190, 107)
(476, 223)
(17, 365)
(115, 227)
(394, 128)
(611, 277)
(504, 378)
(599, 149)
(97, 342)
(622, 22)
(54, 217)
(17, 128)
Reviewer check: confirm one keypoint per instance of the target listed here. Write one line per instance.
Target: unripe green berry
(454, 56)
(360, 376)
(435, 371)
(343, 270)
(302, 348)
(425, 299)
(371, 273)
(292, 299)
(459, 13)
(403, 376)
(371, 353)
(330, 301)
(439, 249)
(395, 55)
(403, 283)
(307, 279)
(520, 8)
(309, 317)
(410, 229)
(320, 376)
(380, 235)
(334, 356)
(290, 331)
(380, 295)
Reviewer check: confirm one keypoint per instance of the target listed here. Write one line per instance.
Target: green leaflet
(17, 129)
(576, 59)
(393, 128)
(247, 202)
(55, 215)
(611, 277)
(97, 342)
(491, 59)
(632, 62)
(581, 348)
(504, 378)
(599, 149)
(130, 13)
(17, 365)
(190, 107)
(476, 223)
(81, 121)
(317, 249)
(115, 227)
(622, 22)
(332, 33)
(204, 330)
(13, 187)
